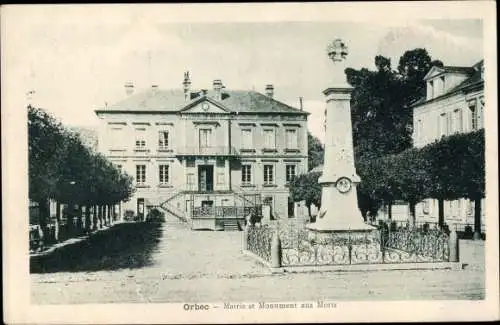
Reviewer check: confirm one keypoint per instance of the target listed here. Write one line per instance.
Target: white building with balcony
(208, 156)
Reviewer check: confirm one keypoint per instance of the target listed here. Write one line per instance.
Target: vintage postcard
(250, 163)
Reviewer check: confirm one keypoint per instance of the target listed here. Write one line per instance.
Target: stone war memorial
(340, 239)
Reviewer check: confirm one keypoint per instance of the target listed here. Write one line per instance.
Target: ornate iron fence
(301, 247)
(259, 241)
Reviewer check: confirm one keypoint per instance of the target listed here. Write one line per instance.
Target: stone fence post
(454, 246)
(275, 250)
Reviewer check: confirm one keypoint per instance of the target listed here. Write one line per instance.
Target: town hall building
(208, 156)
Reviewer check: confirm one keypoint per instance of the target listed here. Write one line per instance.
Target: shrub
(255, 216)
(155, 215)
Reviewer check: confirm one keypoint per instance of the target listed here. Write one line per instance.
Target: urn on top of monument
(337, 51)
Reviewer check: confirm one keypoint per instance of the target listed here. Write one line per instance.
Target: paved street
(170, 263)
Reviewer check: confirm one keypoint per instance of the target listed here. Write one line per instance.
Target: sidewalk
(170, 263)
(70, 241)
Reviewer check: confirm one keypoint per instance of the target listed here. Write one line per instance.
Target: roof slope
(172, 100)
(474, 78)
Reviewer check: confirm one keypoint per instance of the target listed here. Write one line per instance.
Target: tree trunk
(100, 216)
(389, 209)
(412, 218)
(441, 213)
(44, 211)
(79, 220)
(69, 220)
(309, 212)
(477, 219)
(87, 219)
(94, 217)
(58, 222)
(120, 215)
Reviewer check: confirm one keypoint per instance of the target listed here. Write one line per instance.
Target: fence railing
(298, 246)
(259, 241)
(223, 212)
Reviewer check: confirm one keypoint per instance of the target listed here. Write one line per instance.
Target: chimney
(187, 86)
(154, 88)
(129, 88)
(270, 91)
(300, 103)
(218, 89)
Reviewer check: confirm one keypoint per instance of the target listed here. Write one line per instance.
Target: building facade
(454, 103)
(206, 154)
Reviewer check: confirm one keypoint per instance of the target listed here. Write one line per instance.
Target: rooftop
(173, 100)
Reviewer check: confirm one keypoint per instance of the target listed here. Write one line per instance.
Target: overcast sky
(75, 65)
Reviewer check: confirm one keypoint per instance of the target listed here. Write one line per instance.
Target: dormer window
(431, 89)
(443, 87)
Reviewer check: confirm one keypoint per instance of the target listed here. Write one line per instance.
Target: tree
(457, 170)
(381, 100)
(315, 151)
(377, 111)
(45, 147)
(408, 177)
(62, 168)
(305, 187)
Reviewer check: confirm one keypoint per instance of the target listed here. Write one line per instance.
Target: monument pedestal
(339, 212)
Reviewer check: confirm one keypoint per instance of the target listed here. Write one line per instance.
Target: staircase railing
(242, 194)
(174, 211)
(172, 195)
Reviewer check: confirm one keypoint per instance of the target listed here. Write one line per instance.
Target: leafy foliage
(305, 187)
(62, 168)
(381, 103)
(457, 166)
(315, 151)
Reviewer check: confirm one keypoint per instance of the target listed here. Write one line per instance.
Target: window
(246, 174)
(163, 140)
(164, 174)
(220, 178)
(443, 87)
(473, 115)
(268, 174)
(119, 167)
(291, 139)
(140, 174)
(481, 114)
(418, 130)
(449, 124)
(290, 173)
(246, 139)
(425, 207)
(140, 139)
(205, 137)
(457, 121)
(190, 181)
(442, 125)
(269, 139)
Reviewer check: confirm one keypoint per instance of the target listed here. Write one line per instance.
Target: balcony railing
(207, 151)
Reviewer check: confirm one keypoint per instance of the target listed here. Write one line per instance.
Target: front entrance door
(206, 178)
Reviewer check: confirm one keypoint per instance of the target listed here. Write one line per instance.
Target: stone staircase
(231, 225)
